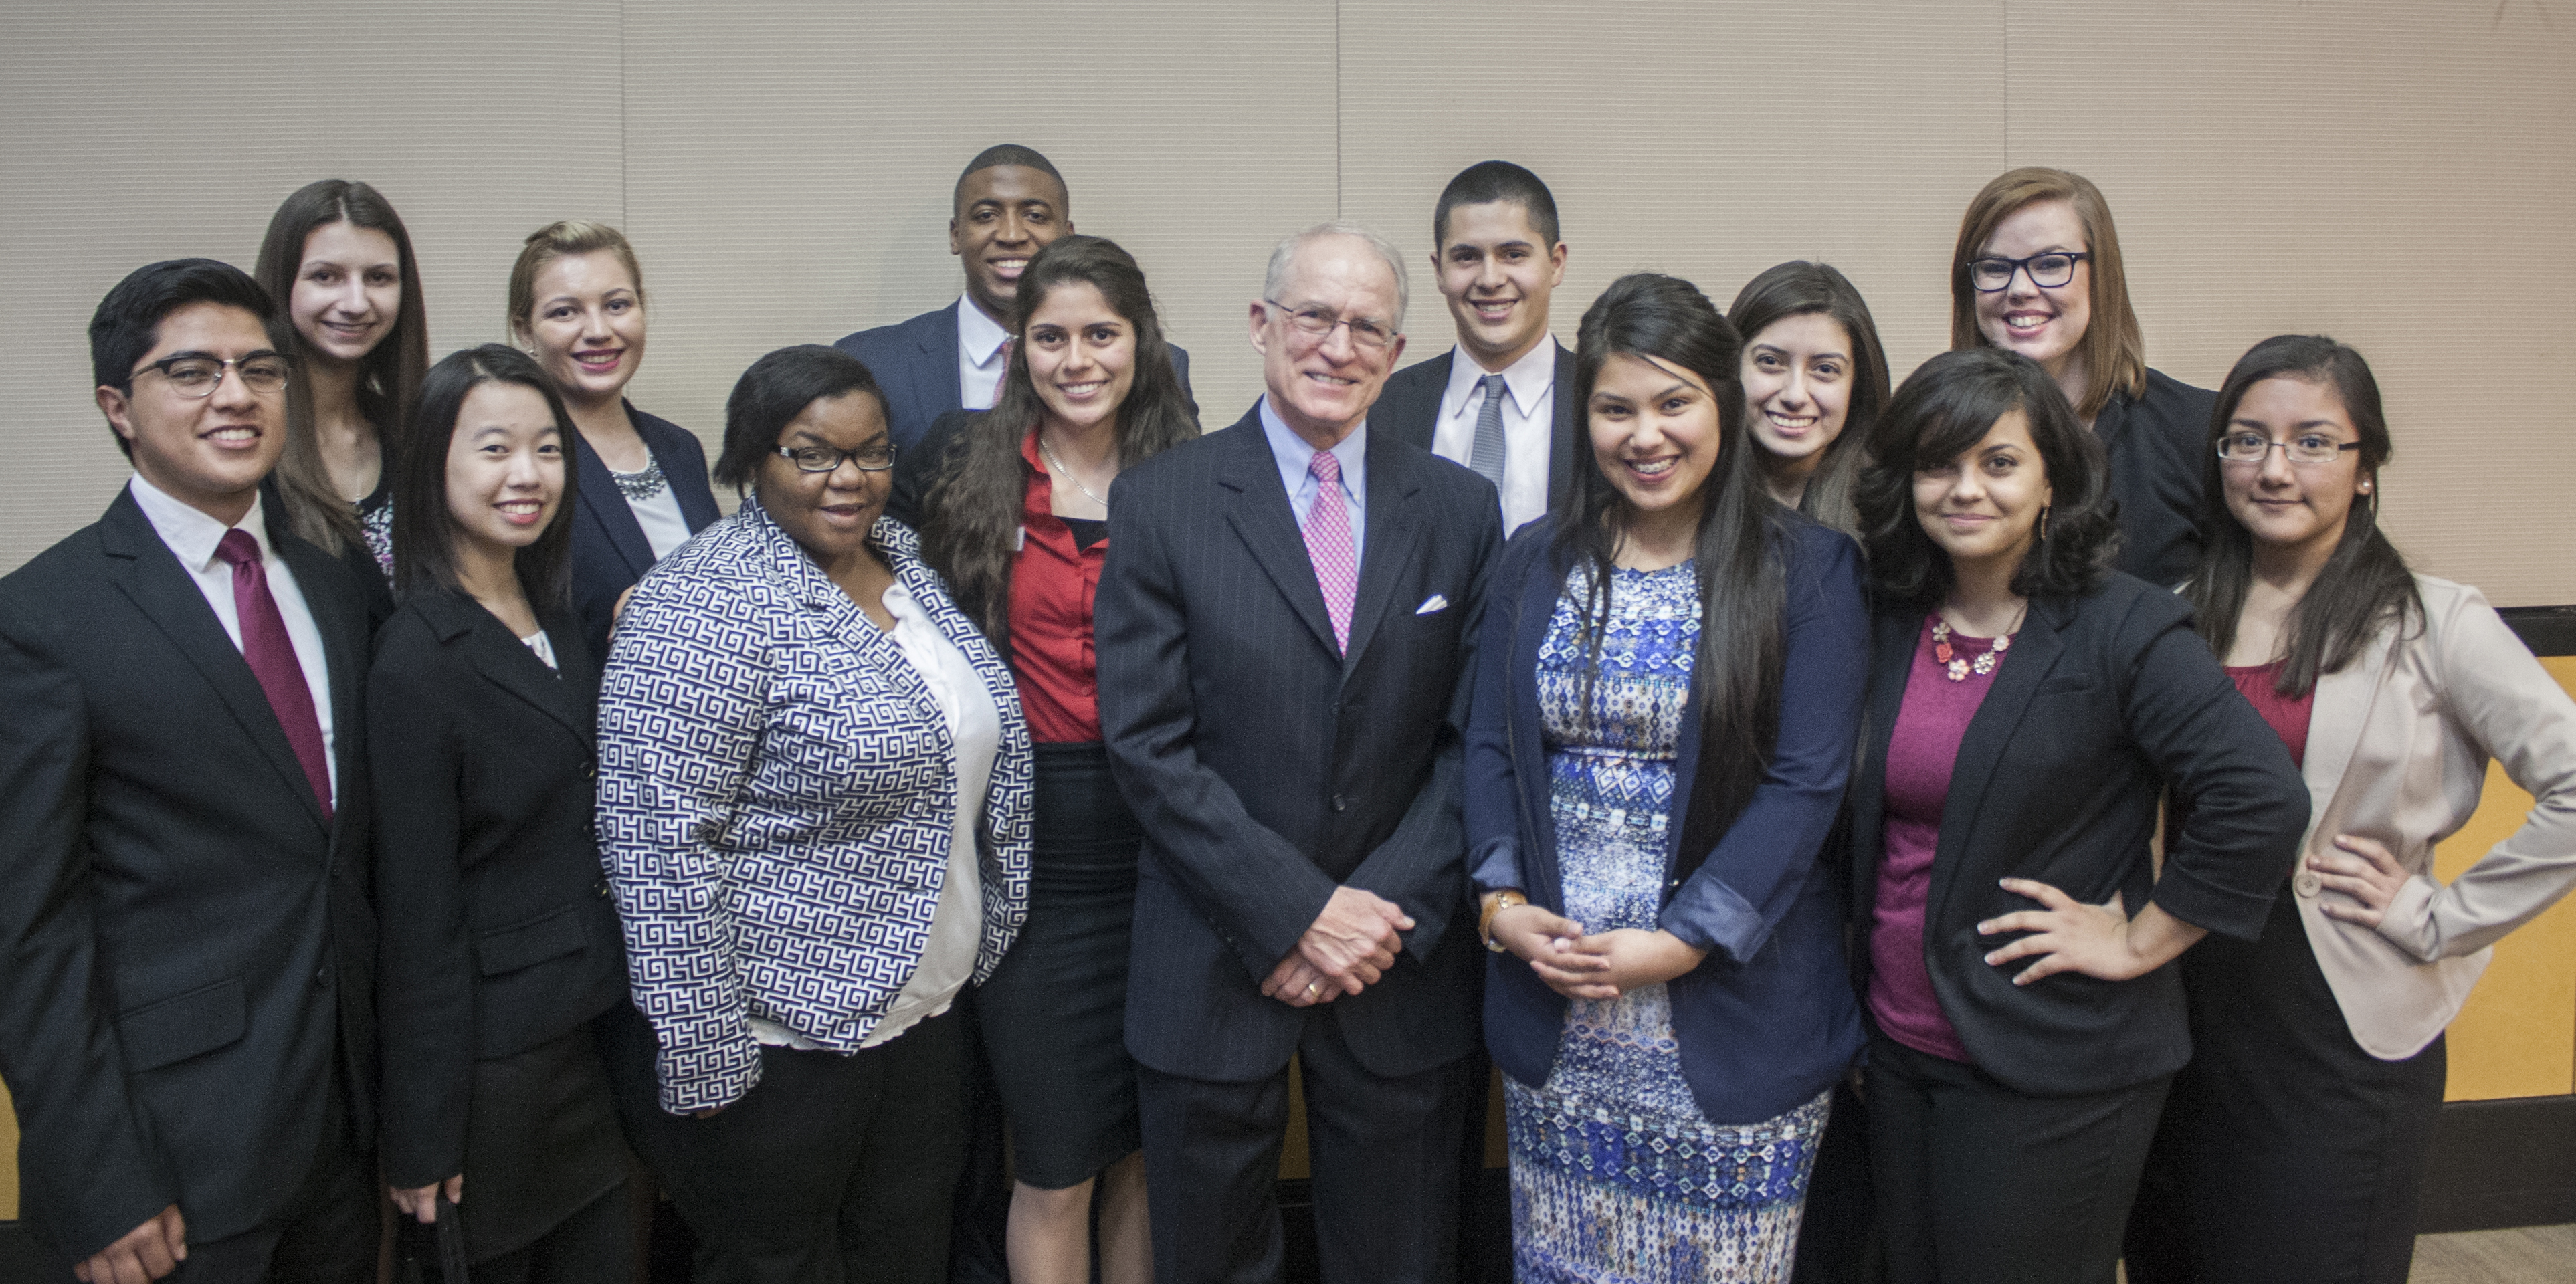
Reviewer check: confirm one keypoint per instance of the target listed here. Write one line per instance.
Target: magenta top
(2288, 717)
(1920, 754)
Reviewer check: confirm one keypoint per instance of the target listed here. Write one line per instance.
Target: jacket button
(2307, 883)
(322, 976)
(601, 887)
(1338, 804)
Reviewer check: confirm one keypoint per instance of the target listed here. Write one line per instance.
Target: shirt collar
(190, 534)
(977, 334)
(1295, 456)
(1529, 378)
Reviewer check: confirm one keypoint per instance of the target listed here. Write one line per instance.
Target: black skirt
(541, 1143)
(2286, 1153)
(1054, 1014)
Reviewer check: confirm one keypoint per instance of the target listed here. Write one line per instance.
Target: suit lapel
(939, 344)
(507, 663)
(600, 501)
(2016, 681)
(1392, 533)
(1891, 656)
(1258, 510)
(163, 590)
(2339, 714)
(1560, 449)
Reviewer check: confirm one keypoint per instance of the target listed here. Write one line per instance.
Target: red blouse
(1053, 583)
(2288, 717)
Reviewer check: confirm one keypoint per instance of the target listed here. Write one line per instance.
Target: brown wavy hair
(388, 378)
(2113, 348)
(971, 507)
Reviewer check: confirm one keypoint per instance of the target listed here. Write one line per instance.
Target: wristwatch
(1503, 900)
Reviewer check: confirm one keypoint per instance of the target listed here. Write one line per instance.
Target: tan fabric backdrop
(2394, 172)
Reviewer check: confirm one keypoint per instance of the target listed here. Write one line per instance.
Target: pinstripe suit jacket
(1266, 769)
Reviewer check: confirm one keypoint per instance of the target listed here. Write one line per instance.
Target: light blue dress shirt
(1294, 456)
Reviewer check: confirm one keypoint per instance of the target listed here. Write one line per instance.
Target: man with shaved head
(1283, 626)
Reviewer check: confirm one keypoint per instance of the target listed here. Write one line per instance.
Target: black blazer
(503, 936)
(1409, 410)
(2105, 702)
(190, 947)
(1266, 770)
(609, 551)
(2158, 448)
(915, 364)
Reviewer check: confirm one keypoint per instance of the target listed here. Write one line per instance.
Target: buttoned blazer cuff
(2408, 921)
(1495, 865)
(2226, 911)
(1709, 917)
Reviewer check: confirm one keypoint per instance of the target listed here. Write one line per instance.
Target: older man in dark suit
(1283, 628)
(184, 1015)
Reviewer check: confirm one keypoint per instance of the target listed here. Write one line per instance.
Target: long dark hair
(1738, 553)
(424, 535)
(2365, 582)
(1802, 289)
(1944, 408)
(972, 505)
(389, 377)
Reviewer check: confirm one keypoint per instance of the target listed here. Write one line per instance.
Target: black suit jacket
(503, 937)
(1266, 769)
(915, 362)
(189, 945)
(2104, 702)
(609, 551)
(2157, 445)
(1409, 410)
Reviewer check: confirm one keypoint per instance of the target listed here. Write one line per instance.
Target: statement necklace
(1958, 666)
(1069, 475)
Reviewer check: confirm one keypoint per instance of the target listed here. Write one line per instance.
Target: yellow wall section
(8, 1159)
(2517, 1037)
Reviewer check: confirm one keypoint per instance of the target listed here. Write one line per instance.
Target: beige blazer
(2397, 751)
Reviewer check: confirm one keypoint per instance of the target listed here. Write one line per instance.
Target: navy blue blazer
(609, 552)
(1767, 1020)
(1409, 409)
(1266, 770)
(915, 362)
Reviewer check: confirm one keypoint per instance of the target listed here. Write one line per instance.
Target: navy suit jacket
(1767, 1020)
(1409, 410)
(1266, 769)
(189, 940)
(915, 362)
(609, 551)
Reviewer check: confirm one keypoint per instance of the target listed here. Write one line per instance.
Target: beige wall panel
(1653, 125)
(131, 132)
(791, 165)
(2396, 173)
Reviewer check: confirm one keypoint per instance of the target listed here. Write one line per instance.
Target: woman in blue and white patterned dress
(1667, 695)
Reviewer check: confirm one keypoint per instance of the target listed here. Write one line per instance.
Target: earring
(2365, 488)
(2043, 523)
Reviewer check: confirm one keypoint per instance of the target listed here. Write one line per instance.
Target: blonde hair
(561, 240)
(2113, 349)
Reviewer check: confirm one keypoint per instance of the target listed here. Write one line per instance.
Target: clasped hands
(1350, 947)
(1599, 966)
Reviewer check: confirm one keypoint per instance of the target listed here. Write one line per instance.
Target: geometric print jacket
(776, 787)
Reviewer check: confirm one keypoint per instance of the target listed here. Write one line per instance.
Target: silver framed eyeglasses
(2048, 271)
(2306, 448)
(1316, 324)
(875, 457)
(190, 375)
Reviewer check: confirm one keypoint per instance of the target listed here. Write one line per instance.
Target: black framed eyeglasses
(198, 376)
(2048, 271)
(875, 457)
(1316, 324)
(2306, 448)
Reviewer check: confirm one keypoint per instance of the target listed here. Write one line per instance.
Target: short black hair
(1943, 409)
(128, 320)
(1493, 180)
(775, 390)
(1007, 154)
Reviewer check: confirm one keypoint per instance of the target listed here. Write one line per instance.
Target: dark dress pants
(327, 1234)
(1385, 1162)
(1980, 1184)
(2287, 1155)
(834, 1168)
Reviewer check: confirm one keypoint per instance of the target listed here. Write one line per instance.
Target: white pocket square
(1431, 604)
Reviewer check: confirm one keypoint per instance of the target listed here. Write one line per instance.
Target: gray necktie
(1486, 456)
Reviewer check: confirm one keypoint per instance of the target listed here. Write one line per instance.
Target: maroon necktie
(1002, 380)
(272, 660)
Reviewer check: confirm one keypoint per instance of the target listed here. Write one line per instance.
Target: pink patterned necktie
(1329, 547)
(271, 653)
(1002, 380)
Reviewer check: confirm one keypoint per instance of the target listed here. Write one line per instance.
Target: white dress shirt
(191, 536)
(1529, 420)
(979, 355)
(1294, 457)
